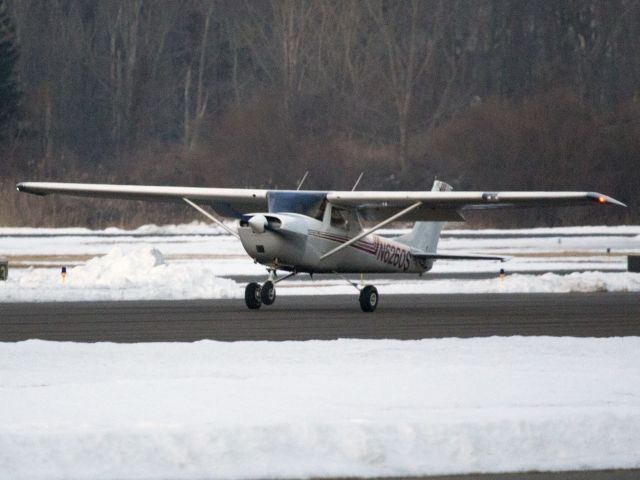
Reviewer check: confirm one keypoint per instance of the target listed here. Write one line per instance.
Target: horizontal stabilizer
(446, 256)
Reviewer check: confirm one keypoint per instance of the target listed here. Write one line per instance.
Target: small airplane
(303, 231)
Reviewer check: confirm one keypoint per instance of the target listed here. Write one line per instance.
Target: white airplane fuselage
(296, 242)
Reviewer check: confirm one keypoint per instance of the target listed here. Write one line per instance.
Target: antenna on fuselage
(303, 179)
(357, 181)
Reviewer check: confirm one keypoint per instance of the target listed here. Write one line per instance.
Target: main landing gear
(369, 298)
(256, 295)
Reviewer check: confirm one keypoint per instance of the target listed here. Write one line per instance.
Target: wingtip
(25, 188)
(606, 199)
(615, 202)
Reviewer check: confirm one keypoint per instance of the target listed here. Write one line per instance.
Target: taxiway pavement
(326, 317)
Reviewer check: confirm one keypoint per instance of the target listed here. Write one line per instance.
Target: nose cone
(258, 223)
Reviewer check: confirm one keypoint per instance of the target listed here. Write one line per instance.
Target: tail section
(425, 235)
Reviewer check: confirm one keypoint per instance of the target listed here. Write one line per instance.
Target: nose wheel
(268, 293)
(256, 295)
(252, 296)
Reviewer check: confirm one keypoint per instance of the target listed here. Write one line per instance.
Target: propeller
(260, 223)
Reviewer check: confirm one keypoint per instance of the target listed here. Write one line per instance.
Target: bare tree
(411, 33)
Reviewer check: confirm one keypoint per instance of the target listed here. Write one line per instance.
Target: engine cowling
(274, 239)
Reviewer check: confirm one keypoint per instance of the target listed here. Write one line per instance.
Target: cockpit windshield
(311, 204)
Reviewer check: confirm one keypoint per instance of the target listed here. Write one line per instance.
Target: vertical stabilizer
(425, 235)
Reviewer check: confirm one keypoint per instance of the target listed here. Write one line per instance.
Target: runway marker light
(601, 199)
(4, 269)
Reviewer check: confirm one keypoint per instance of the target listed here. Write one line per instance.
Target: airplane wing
(449, 205)
(372, 206)
(228, 202)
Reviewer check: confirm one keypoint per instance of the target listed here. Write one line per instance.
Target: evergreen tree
(9, 91)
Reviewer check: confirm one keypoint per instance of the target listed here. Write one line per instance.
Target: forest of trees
(485, 94)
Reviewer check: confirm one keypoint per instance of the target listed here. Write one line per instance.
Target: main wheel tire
(369, 298)
(268, 293)
(252, 296)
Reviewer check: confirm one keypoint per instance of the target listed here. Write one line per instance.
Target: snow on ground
(63, 244)
(134, 275)
(188, 261)
(144, 274)
(193, 228)
(318, 408)
(587, 230)
(517, 283)
(300, 409)
(203, 240)
(558, 245)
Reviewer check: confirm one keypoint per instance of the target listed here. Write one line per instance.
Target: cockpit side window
(339, 218)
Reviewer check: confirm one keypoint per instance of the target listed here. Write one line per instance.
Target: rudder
(425, 235)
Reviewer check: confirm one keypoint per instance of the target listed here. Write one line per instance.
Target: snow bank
(300, 409)
(580, 230)
(193, 228)
(195, 256)
(134, 275)
(143, 274)
(203, 241)
(516, 283)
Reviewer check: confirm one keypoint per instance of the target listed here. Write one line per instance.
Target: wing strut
(371, 230)
(211, 217)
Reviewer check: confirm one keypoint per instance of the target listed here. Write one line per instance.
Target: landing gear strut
(368, 294)
(256, 295)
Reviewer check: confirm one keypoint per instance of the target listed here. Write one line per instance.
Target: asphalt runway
(326, 317)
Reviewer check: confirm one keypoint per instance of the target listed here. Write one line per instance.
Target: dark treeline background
(485, 94)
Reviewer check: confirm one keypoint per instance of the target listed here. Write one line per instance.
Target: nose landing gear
(256, 295)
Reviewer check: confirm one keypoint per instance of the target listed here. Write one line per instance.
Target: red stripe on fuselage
(367, 247)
